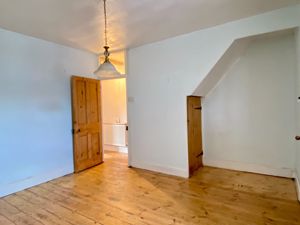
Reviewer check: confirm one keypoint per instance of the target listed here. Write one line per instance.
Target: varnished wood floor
(113, 194)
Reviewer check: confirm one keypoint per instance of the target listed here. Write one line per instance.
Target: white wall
(249, 118)
(35, 115)
(162, 74)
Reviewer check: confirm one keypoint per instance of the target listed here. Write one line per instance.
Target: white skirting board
(123, 149)
(161, 169)
(297, 181)
(7, 189)
(249, 167)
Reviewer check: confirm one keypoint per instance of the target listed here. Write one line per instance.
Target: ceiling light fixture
(106, 70)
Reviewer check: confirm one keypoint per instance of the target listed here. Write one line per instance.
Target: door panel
(81, 101)
(95, 145)
(82, 153)
(194, 133)
(92, 102)
(87, 130)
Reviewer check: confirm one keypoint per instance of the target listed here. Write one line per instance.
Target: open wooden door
(87, 130)
(195, 151)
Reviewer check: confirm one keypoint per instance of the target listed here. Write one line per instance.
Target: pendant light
(106, 70)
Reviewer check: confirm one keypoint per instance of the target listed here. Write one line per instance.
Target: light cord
(105, 22)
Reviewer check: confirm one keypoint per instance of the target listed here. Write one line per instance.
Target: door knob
(297, 138)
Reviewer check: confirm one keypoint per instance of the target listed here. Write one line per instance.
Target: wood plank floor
(113, 194)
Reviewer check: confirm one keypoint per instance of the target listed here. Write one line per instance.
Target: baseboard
(7, 189)
(297, 181)
(249, 167)
(123, 149)
(161, 169)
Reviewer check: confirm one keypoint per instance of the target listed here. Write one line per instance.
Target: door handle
(297, 138)
(73, 131)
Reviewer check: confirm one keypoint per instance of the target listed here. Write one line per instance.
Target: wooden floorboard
(113, 194)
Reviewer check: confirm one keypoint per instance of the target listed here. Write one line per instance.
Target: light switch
(131, 99)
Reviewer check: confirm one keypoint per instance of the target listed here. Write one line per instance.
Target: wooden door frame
(129, 159)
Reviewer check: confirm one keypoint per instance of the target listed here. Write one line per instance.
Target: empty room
(144, 112)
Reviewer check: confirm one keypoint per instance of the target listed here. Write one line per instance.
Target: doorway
(99, 121)
(114, 111)
(99, 111)
(114, 115)
(195, 151)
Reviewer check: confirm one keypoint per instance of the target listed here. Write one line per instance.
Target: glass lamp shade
(107, 70)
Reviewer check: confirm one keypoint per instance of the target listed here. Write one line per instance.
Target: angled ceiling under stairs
(228, 59)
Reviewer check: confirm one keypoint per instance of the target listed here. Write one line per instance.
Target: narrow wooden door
(194, 133)
(87, 126)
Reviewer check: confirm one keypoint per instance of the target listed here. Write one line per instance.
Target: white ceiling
(79, 23)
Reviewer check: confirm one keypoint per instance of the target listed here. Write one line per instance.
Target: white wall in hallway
(35, 115)
(249, 118)
(114, 112)
(114, 109)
